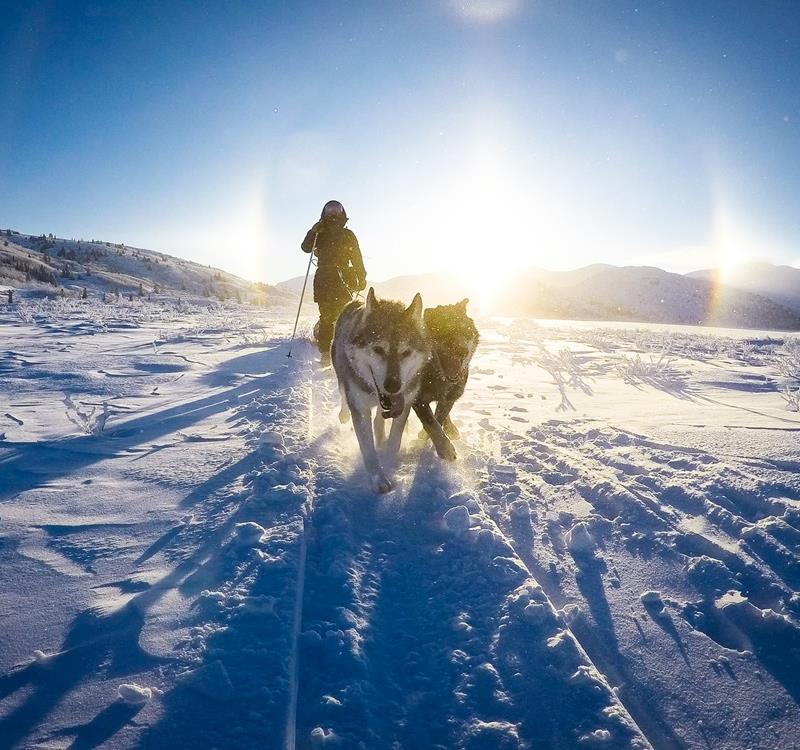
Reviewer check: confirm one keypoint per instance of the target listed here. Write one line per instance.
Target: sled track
(393, 645)
(294, 667)
(290, 737)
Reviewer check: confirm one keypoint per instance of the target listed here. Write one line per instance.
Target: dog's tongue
(392, 405)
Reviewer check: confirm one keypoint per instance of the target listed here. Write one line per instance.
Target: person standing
(340, 269)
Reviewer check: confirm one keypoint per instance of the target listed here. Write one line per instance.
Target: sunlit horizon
(482, 137)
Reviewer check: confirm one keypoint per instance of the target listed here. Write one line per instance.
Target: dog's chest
(435, 387)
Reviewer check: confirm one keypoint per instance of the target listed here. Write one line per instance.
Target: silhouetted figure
(340, 269)
(10, 296)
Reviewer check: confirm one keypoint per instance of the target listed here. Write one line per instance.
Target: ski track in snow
(410, 633)
(201, 558)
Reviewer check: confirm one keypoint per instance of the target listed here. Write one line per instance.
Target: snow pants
(328, 313)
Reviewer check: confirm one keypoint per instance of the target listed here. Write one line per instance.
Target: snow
(249, 532)
(457, 519)
(133, 694)
(613, 562)
(579, 541)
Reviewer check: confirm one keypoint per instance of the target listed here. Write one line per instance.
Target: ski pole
(302, 294)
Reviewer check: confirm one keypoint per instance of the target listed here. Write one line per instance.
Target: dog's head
(454, 337)
(392, 345)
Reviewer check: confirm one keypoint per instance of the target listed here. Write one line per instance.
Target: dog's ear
(414, 310)
(463, 304)
(370, 301)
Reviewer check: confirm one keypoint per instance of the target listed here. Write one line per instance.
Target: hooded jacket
(340, 268)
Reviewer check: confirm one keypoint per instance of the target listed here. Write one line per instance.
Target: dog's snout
(391, 384)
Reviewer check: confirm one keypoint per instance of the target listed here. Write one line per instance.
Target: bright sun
(487, 238)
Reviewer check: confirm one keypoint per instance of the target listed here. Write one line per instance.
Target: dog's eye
(405, 353)
(379, 350)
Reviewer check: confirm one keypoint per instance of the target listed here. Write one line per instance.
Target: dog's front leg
(379, 423)
(443, 408)
(444, 448)
(396, 432)
(363, 427)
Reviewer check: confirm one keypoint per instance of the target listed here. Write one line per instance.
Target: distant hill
(49, 265)
(604, 292)
(645, 294)
(781, 284)
(294, 285)
(435, 288)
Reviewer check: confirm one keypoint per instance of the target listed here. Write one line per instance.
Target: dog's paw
(380, 483)
(451, 430)
(446, 450)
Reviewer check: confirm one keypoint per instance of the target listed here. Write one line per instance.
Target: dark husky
(453, 337)
(379, 350)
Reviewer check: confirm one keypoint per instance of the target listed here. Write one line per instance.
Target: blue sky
(479, 134)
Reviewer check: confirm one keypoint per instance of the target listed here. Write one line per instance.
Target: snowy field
(189, 556)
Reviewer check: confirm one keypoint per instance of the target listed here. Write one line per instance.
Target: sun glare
(733, 245)
(238, 241)
(496, 228)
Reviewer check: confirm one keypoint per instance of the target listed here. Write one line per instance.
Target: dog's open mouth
(392, 405)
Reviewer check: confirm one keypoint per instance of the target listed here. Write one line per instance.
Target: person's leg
(328, 312)
(327, 321)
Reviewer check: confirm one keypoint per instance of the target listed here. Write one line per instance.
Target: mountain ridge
(46, 265)
(600, 291)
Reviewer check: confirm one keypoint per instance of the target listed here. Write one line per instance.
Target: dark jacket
(340, 269)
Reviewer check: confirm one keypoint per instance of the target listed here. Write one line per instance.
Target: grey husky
(379, 350)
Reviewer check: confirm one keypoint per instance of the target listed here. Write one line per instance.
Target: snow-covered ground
(189, 556)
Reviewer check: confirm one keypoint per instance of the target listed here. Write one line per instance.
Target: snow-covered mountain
(644, 294)
(436, 288)
(781, 284)
(631, 293)
(48, 265)
(293, 285)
